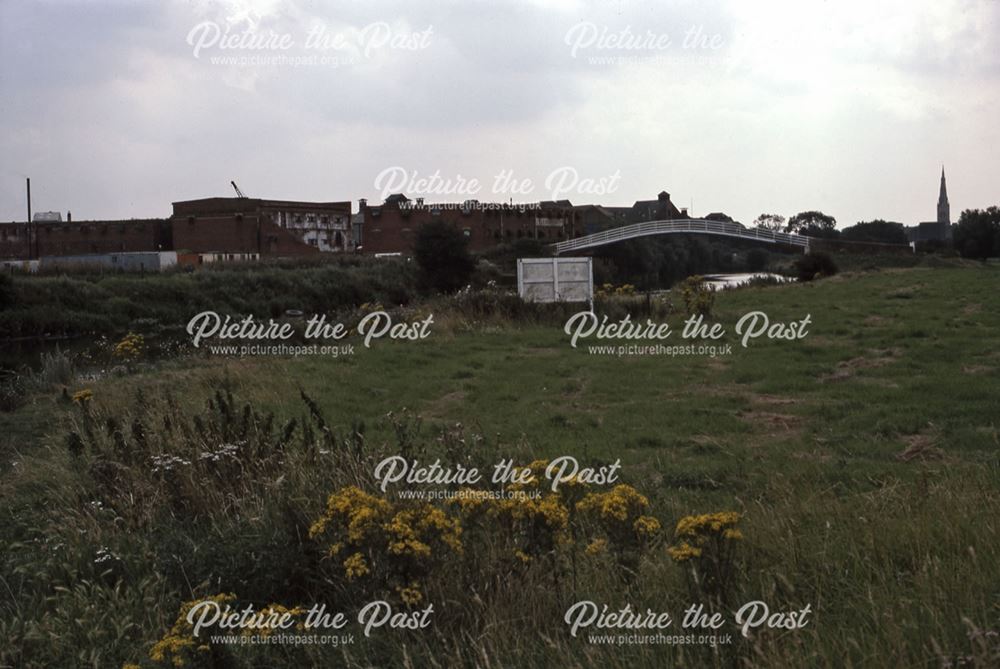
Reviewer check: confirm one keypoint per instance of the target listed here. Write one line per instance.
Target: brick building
(234, 225)
(392, 226)
(68, 238)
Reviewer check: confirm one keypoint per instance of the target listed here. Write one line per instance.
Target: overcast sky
(115, 109)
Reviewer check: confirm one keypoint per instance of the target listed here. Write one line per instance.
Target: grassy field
(865, 460)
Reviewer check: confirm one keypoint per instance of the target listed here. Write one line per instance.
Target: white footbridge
(684, 226)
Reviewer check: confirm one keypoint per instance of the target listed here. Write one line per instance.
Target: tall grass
(111, 304)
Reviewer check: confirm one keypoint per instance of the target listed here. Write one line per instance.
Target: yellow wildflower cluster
(683, 552)
(410, 595)
(355, 566)
(410, 530)
(620, 503)
(382, 540)
(353, 510)
(695, 533)
(275, 612)
(130, 347)
(620, 515)
(609, 289)
(547, 510)
(534, 519)
(178, 645)
(83, 396)
(646, 526)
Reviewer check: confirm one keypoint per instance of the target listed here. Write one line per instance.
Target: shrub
(815, 265)
(442, 254)
(698, 298)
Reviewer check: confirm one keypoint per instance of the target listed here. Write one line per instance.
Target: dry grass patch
(876, 357)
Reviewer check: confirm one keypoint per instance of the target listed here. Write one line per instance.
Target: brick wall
(390, 228)
(83, 237)
(235, 233)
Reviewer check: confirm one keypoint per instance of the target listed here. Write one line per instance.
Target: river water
(723, 281)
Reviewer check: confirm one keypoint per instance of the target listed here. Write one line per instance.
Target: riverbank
(863, 460)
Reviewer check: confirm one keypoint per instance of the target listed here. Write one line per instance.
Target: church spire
(943, 209)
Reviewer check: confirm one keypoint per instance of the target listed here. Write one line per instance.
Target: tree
(813, 224)
(772, 222)
(442, 254)
(875, 231)
(977, 234)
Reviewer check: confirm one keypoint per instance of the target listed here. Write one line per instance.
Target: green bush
(815, 266)
(442, 254)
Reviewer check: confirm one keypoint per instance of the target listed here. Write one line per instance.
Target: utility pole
(28, 182)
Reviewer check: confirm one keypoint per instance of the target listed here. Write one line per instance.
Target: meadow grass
(865, 459)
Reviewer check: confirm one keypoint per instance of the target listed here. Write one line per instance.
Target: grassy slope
(803, 436)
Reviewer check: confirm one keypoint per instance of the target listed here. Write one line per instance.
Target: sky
(115, 109)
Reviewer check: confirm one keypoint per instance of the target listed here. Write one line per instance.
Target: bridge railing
(687, 225)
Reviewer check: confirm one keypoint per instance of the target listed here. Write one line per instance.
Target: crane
(239, 193)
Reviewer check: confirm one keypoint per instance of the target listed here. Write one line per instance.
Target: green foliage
(855, 493)
(770, 222)
(6, 291)
(977, 234)
(442, 254)
(112, 304)
(698, 297)
(815, 265)
(875, 231)
(813, 224)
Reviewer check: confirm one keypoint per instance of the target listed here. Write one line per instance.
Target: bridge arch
(679, 226)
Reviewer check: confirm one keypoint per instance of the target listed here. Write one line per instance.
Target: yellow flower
(522, 556)
(83, 396)
(355, 566)
(646, 526)
(410, 595)
(597, 546)
(619, 503)
(177, 644)
(702, 531)
(683, 552)
(130, 347)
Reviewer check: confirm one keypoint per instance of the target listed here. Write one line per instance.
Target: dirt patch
(774, 400)
(772, 424)
(877, 357)
(977, 369)
(919, 447)
(717, 364)
(439, 407)
(812, 456)
(970, 309)
(876, 320)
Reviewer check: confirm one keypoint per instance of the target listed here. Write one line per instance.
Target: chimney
(420, 202)
(69, 216)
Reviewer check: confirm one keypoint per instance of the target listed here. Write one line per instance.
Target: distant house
(660, 209)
